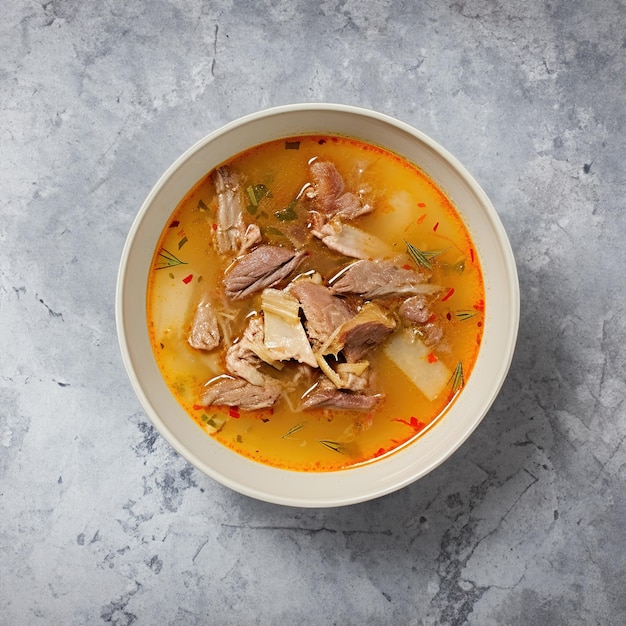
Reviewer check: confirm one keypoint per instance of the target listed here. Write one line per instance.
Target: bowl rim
(375, 491)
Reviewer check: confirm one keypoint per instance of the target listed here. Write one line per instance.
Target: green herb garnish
(270, 230)
(293, 430)
(256, 193)
(420, 258)
(167, 259)
(331, 445)
(464, 315)
(288, 214)
(457, 377)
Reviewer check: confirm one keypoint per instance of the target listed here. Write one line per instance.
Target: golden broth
(408, 207)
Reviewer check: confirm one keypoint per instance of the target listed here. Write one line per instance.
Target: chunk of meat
(323, 312)
(364, 332)
(415, 309)
(381, 278)
(432, 333)
(329, 195)
(347, 240)
(230, 225)
(229, 391)
(205, 330)
(250, 238)
(245, 357)
(325, 396)
(263, 267)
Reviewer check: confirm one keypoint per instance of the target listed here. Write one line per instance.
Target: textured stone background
(100, 521)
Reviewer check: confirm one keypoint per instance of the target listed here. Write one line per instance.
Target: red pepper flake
(197, 407)
(214, 226)
(450, 292)
(480, 305)
(449, 316)
(479, 324)
(436, 226)
(233, 412)
(407, 266)
(421, 218)
(472, 254)
(379, 452)
(174, 224)
(431, 357)
(188, 279)
(421, 205)
(414, 423)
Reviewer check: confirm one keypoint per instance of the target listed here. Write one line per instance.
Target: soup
(315, 303)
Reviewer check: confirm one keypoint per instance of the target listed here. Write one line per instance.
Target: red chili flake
(214, 226)
(197, 407)
(479, 324)
(407, 266)
(450, 292)
(414, 423)
(448, 316)
(432, 318)
(379, 452)
(472, 254)
(233, 412)
(174, 224)
(480, 305)
(421, 218)
(478, 339)
(188, 279)
(421, 204)
(436, 226)
(431, 357)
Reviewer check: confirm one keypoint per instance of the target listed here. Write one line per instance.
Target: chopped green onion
(213, 423)
(288, 214)
(256, 193)
(270, 230)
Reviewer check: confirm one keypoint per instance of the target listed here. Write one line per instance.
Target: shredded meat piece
(433, 333)
(265, 266)
(415, 309)
(323, 312)
(245, 357)
(381, 278)
(323, 396)
(364, 332)
(205, 331)
(329, 195)
(230, 225)
(229, 391)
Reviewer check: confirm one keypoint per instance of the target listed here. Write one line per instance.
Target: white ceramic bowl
(389, 473)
